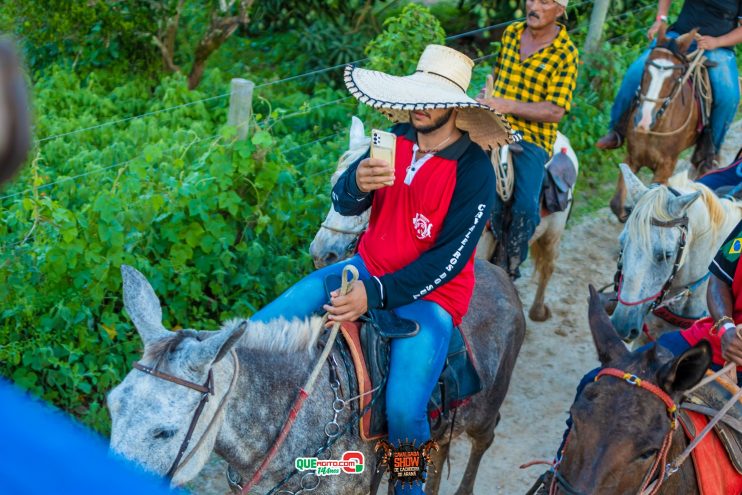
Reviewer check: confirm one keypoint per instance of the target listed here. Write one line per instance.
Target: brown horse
(619, 430)
(664, 121)
(15, 128)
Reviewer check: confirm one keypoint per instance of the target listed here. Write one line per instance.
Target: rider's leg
(307, 295)
(416, 364)
(728, 176)
(529, 176)
(724, 80)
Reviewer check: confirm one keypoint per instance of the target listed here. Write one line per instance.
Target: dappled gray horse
(15, 128)
(667, 245)
(255, 370)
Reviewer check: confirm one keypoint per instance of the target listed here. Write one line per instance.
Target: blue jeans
(416, 362)
(525, 210)
(724, 86)
(672, 341)
(727, 176)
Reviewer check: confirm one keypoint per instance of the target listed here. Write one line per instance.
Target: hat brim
(396, 96)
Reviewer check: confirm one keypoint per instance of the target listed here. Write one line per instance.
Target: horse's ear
(635, 189)
(679, 204)
(683, 42)
(357, 133)
(142, 305)
(216, 344)
(607, 343)
(686, 370)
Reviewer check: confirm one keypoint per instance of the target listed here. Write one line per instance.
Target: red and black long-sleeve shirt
(422, 234)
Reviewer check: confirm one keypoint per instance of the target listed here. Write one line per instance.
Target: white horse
(338, 235)
(667, 244)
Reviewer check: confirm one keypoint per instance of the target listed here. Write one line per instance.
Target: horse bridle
(206, 390)
(659, 467)
(352, 245)
(677, 86)
(657, 298)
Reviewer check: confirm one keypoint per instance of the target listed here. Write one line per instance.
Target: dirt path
(555, 355)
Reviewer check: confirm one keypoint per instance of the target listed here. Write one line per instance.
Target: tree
(225, 16)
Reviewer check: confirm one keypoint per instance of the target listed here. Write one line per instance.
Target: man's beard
(437, 124)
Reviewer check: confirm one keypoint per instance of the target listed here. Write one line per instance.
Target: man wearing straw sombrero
(427, 213)
(535, 76)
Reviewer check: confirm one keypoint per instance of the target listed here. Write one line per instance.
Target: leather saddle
(369, 344)
(707, 400)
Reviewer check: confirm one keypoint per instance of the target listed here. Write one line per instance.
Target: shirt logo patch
(422, 226)
(736, 246)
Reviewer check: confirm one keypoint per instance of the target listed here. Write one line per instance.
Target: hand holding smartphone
(372, 175)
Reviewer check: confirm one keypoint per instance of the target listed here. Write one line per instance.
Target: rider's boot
(711, 161)
(610, 141)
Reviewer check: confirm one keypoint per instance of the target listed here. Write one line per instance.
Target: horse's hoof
(539, 313)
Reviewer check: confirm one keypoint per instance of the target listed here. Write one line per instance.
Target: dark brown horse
(15, 129)
(619, 429)
(664, 121)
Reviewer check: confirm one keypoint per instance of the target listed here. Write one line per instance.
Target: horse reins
(304, 391)
(206, 390)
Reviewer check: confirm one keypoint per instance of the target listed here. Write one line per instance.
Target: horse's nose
(633, 334)
(330, 258)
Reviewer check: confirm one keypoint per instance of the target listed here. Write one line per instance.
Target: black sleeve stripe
(717, 270)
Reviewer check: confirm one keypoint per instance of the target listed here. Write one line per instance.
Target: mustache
(533, 14)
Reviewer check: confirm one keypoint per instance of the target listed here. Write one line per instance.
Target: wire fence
(120, 164)
(267, 84)
(302, 112)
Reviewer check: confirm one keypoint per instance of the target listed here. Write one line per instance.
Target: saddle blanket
(715, 473)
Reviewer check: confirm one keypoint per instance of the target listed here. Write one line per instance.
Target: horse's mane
(279, 335)
(653, 204)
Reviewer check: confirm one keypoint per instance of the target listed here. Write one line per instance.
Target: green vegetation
(219, 227)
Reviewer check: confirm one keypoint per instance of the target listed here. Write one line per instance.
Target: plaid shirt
(549, 74)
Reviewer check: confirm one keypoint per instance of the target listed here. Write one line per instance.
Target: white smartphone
(383, 146)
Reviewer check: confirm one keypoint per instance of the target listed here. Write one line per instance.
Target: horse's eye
(163, 433)
(649, 454)
(662, 257)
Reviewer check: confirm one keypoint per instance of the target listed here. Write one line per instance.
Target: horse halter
(658, 297)
(677, 86)
(352, 245)
(660, 467)
(206, 389)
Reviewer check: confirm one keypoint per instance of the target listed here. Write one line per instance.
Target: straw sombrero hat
(440, 81)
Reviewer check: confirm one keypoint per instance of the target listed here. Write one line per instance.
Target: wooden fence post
(597, 20)
(240, 106)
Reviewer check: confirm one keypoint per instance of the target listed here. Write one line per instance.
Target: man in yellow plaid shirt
(533, 83)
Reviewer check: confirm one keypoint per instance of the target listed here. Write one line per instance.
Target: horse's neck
(265, 389)
(268, 384)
